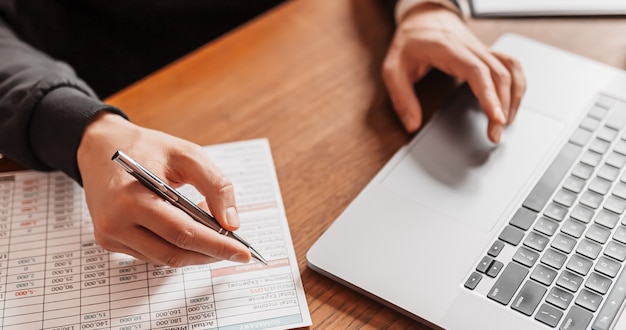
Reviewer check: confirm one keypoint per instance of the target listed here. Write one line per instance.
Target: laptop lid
(512, 8)
(417, 232)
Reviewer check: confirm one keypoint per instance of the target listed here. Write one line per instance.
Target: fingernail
(240, 257)
(410, 122)
(500, 116)
(496, 133)
(232, 217)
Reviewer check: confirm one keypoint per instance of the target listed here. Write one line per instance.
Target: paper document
(53, 275)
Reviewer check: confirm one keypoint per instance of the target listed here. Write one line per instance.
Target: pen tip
(257, 257)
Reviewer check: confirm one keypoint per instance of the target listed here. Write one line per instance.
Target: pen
(171, 195)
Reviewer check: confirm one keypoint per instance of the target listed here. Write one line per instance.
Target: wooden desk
(306, 76)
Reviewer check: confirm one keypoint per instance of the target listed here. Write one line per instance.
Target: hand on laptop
(129, 218)
(431, 36)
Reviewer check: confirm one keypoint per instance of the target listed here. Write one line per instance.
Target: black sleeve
(44, 107)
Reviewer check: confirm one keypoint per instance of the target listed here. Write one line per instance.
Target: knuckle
(185, 238)
(224, 185)
(478, 69)
(502, 75)
(218, 251)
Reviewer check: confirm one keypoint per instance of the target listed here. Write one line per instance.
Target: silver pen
(172, 196)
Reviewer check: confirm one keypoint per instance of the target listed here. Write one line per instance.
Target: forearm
(44, 107)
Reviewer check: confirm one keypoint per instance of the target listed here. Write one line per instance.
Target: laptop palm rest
(453, 166)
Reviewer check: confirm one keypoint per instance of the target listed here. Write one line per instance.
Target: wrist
(105, 134)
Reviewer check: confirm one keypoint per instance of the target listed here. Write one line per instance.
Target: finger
(186, 235)
(399, 83)
(501, 78)
(153, 249)
(196, 168)
(518, 81)
(494, 131)
(467, 66)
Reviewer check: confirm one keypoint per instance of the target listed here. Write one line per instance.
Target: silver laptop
(530, 234)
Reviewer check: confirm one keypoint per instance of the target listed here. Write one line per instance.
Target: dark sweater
(45, 45)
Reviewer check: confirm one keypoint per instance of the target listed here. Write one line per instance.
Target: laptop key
(616, 160)
(495, 248)
(616, 251)
(599, 186)
(536, 241)
(613, 303)
(550, 180)
(607, 133)
(526, 256)
(543, 274)
(523, 218)
(553, 258)
(473, 281)
(559, 298)
(582, 171)
(548, 315)
(598, 283)
(582, 213)
(590, 124)
(591, 158)
(507, 283)
(574, 184)
(598, 233)
(591, 199)
(511, 235)
(563, 243)
(495, 268)
(607, 267)
(607, 219)
(573, 228)
(620, 147)
(588, 249)
(599, 146)
(598, 112)
(576, 319)
(484, 264)
(580, 265)
(580, 137)
(546, 226)
(555, 211)
(528, 298)
(620, 190)
(569, 281)
(615, 204)
(588, 300)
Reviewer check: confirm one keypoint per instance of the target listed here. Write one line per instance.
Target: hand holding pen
(172, 196)
(131, 219)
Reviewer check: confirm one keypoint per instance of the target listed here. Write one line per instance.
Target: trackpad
(456, 171)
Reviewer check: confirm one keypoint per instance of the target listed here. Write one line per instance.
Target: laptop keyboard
(566, 244)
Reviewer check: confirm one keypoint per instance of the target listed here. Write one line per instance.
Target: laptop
(459, 233)
(516, 8)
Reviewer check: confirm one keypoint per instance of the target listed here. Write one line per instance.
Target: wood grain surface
(307, 77)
